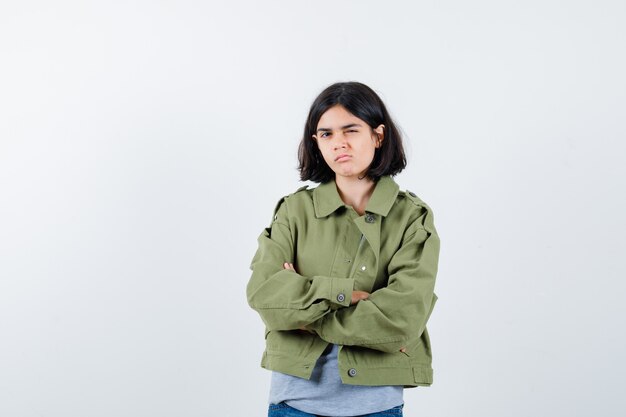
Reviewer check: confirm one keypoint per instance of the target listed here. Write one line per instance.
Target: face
(346, 142)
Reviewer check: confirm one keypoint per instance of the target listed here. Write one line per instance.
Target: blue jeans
(283, 410)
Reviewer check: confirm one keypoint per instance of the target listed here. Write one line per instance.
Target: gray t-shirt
(325, 394)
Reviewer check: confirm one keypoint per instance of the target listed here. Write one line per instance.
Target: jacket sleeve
(284, 299)
(396, 314)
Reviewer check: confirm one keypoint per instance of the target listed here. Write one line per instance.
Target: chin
(345, 173)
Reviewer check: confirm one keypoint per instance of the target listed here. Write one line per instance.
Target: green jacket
(391, 251)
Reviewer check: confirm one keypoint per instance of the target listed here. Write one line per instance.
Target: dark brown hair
(364, 103)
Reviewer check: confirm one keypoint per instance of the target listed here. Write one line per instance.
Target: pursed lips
(342, 156)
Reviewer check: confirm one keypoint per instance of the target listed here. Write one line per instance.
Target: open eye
(324, 134)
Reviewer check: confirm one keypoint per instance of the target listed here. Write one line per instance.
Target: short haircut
(364, 103)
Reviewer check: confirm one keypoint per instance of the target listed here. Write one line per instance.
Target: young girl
(344, 277)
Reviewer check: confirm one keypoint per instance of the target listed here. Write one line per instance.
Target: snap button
(363, 268)
(341, 297)
(352, 372)
(370, 218)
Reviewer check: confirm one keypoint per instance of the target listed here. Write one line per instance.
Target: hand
(358, 296)
(306, 329)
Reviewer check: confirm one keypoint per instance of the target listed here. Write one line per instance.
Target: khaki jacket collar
(326, 197)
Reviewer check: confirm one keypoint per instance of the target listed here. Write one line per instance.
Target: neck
(355, 192)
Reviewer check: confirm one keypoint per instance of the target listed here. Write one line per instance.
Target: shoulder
(412, 200)
(419, 212)
(292, 200)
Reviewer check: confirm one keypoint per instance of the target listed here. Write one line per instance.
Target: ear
(380, 133)
(314, 138)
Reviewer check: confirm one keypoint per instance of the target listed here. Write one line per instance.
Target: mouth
(342, 157)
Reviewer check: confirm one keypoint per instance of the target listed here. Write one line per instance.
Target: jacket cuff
(341, 291)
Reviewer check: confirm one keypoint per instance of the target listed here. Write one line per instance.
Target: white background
(143, 146)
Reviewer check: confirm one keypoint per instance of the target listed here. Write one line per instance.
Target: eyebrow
(325, 129)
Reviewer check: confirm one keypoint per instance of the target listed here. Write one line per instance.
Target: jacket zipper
(357, 254)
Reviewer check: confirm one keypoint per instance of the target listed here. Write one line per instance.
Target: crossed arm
(385, 320)
(356, 297)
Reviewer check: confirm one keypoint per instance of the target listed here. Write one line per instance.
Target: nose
(341, 142)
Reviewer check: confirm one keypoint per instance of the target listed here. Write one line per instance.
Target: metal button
(412, 193)
(341, 297)
(352, 372)
(363, 267)
(370, 218)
